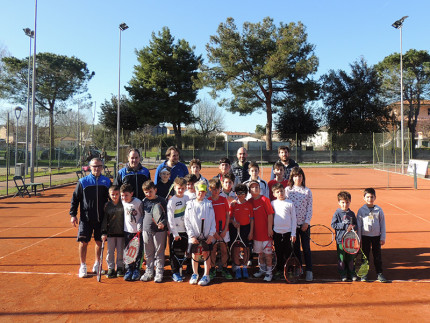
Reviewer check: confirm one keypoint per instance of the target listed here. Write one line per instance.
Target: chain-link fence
(387, 151)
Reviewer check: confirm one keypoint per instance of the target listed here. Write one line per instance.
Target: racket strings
(321, 235)
(293, 270)
(361, 265)
(240, 251)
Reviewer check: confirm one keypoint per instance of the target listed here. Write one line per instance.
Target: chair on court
(107, 171)
(23, 188)
(79, 174)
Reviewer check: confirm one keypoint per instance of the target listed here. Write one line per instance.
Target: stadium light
(33, 101)
(122, 27)
(398, 24)
(30, 34)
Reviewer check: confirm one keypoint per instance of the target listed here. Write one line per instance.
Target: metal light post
(33, 101)
(78, 139)
(30, 34)
(398, 25)
(122, 27)
(18, 111)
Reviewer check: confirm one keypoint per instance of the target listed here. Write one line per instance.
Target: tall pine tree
(162, 88)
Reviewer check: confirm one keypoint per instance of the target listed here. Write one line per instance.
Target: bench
(79, 174)
(22, 187)
(107, 171)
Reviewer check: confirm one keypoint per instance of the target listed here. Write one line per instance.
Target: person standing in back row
(177, 169)
(134, 174)
(240, 167)
(284, 158)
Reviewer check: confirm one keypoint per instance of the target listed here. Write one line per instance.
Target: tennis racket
(219, 246)
(239, 251)
(268, 249)
(157, 213)
(361, 264)
(292, 267)
(170, 189)
(351, 242)
(179, 250)
(99, 271)
(200, 251)
(321, 235)
(132, 249)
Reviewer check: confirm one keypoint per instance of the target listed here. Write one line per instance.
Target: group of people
(235, 200)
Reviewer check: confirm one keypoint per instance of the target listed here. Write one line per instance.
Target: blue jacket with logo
(91, 194)
(135, 178)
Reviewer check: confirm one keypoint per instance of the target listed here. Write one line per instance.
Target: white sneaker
(309, 276)
(259, 274)
(146, 277)
(268, 277)
(95, 267)
(204, 281)
(83, 271)
(194, 279)
(158, 278)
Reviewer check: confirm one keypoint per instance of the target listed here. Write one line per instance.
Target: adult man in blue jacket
(134, 174)
(178, 169)
(90, 195)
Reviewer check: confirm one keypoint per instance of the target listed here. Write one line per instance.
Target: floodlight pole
(398, 25)
(33, 101)
(30, 34)
(122, 27)
(18, 111)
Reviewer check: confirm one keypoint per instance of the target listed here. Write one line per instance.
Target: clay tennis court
(39, 265)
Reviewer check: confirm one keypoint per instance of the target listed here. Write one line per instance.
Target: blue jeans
(302, 238)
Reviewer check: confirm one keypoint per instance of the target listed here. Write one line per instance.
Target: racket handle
(189, 249)
(202, 227)
(220, 226)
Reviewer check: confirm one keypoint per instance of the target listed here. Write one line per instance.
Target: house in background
(318, 141)
(232, 136)
(422, 133)
(68, 142)
(3, 131)
(171, 132)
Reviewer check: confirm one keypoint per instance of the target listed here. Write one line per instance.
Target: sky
(342, 32)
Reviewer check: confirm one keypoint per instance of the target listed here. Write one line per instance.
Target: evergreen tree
(263, 66)
(162, 88)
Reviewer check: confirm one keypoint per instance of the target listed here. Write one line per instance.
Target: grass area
(54, 171)
(13, 190)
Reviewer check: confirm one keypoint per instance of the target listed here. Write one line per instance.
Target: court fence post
(7, 155)
(415, 177)
(373, 150)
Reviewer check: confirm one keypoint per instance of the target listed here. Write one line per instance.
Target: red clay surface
(39, 265)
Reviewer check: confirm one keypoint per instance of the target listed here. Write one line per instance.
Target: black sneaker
(111, 273)
(120, 272)
(381, 278)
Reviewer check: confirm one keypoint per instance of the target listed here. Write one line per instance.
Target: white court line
(33, 244)
(18, 225)
(370, 281)
(35, 273)
(425, 220)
